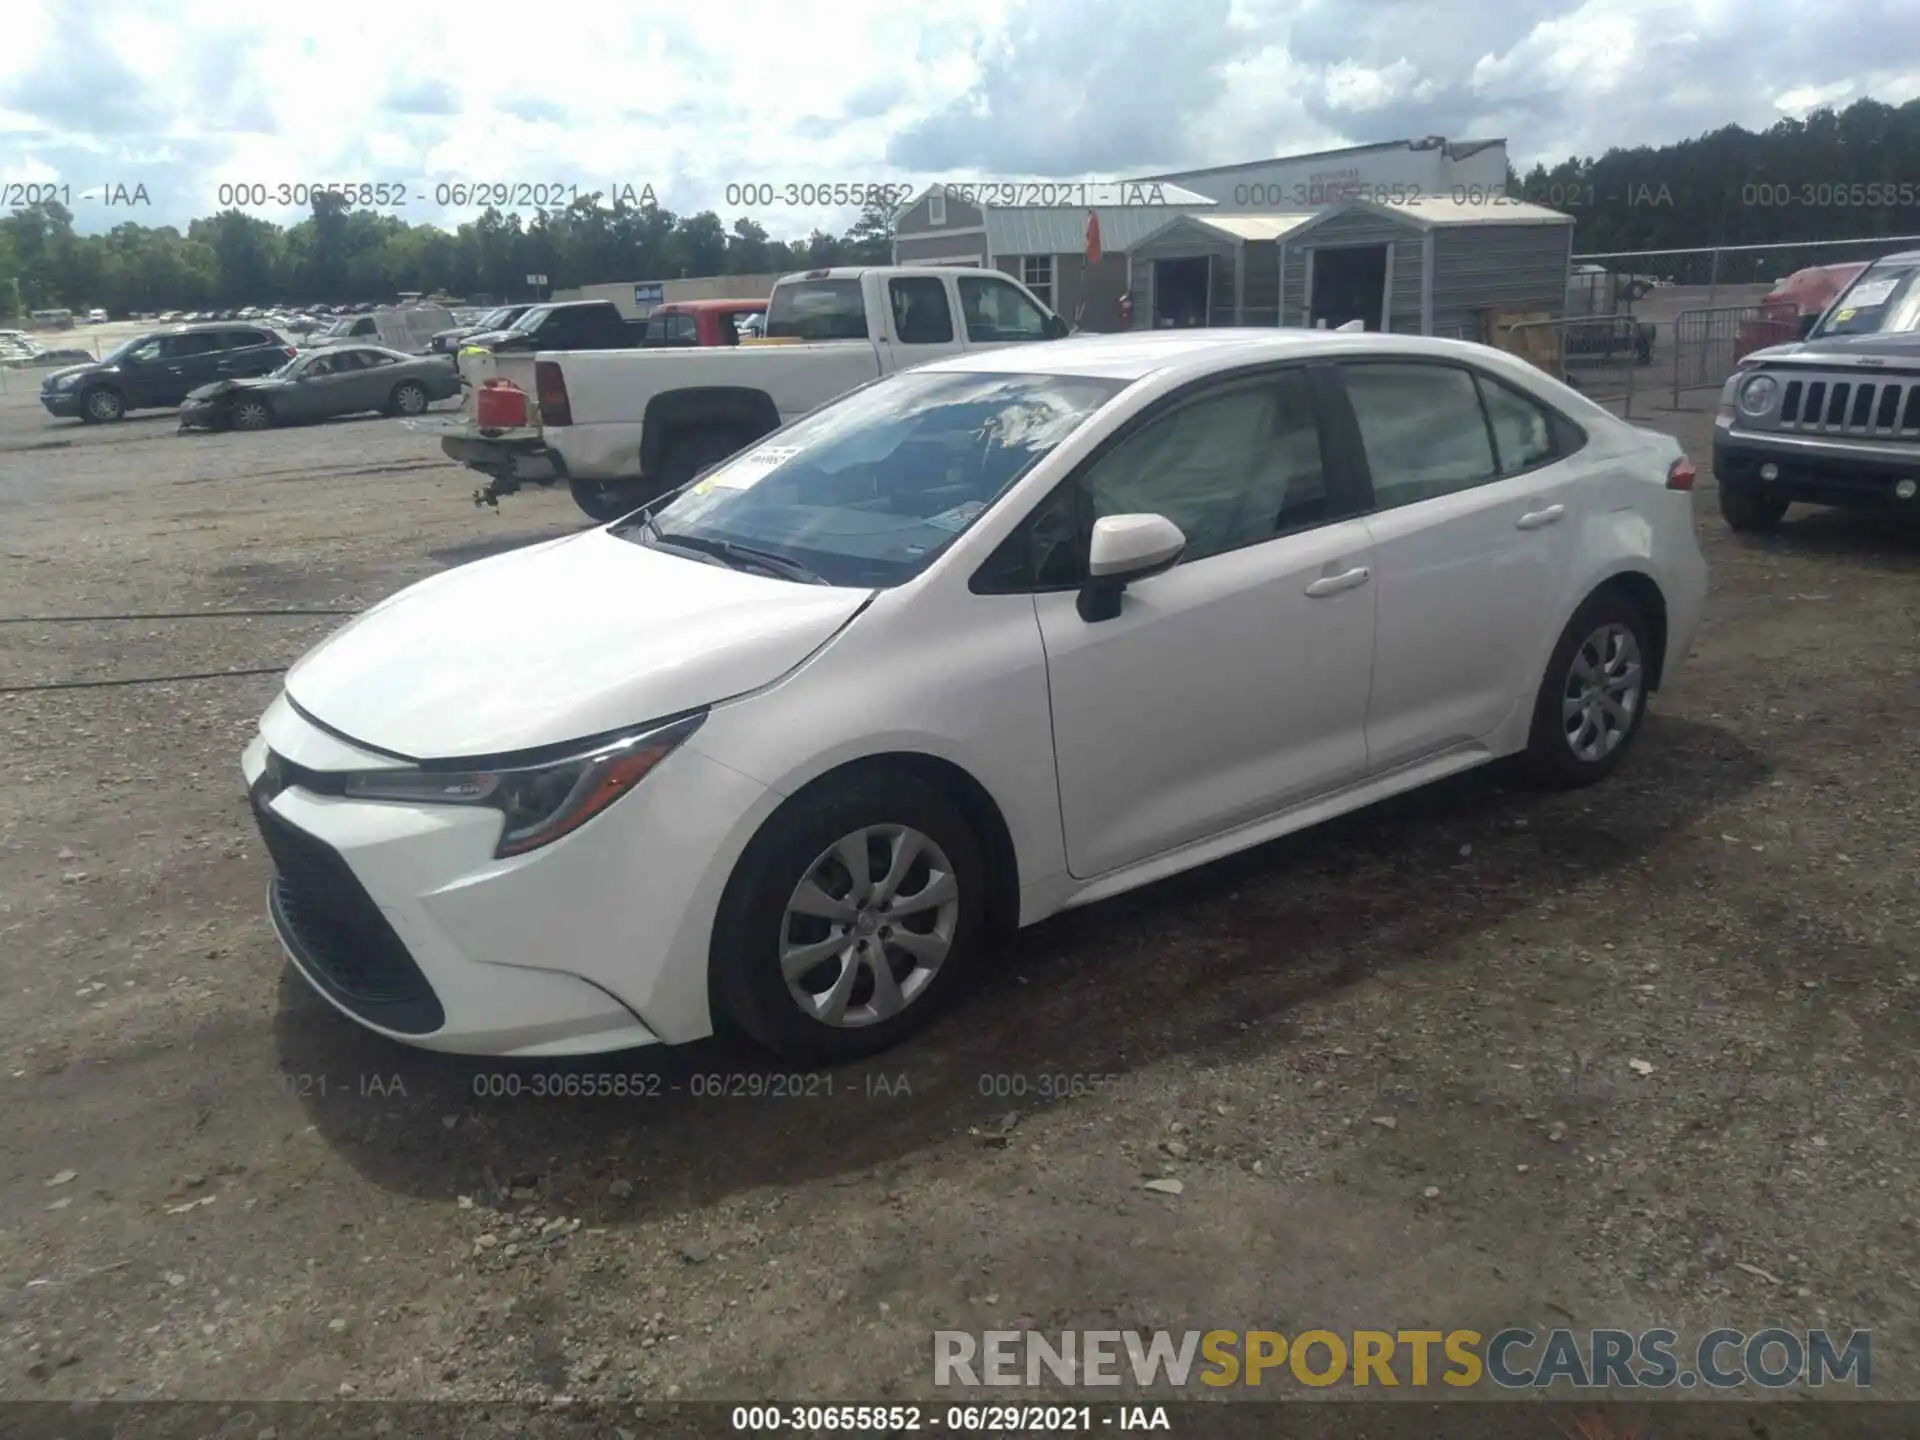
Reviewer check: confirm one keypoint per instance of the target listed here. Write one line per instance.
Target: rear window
(817, 310)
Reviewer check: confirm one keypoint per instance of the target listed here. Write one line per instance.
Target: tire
(605, 500)
(103, 405)
(1607, 636)
(409, 398)
(249, 412)
(1749, 508)
(800, 843)
(695, 453)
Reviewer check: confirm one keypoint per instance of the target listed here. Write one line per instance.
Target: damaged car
(320, 385)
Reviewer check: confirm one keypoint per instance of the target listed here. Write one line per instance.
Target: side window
(320, 365)
(1231, 468)
(182, 347)
(920, 313)
(363, 326)
(1524, 434)
(374, 359)
(997, 313)
(146, 354)
(247, 340)
(1422, 429)
(683, 330)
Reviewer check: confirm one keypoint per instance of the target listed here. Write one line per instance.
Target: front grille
(1831, 405)
(339, 935)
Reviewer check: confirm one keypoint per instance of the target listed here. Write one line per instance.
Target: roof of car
(1135, 354)
(198, 325)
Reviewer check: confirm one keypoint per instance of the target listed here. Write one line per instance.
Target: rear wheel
(1748, 507)
(250, 412)
(690, 456)
(605, 500)
(102, 405)
(851, 918)
(408, 398)
(1593, 696)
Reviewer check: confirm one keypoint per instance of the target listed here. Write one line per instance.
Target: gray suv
(156, 370)
(1833, 419)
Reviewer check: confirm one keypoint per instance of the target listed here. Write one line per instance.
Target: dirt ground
(1395, 1062)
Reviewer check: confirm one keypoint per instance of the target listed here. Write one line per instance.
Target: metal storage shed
(1424, 267)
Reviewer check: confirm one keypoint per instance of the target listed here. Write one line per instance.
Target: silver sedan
(320, 384)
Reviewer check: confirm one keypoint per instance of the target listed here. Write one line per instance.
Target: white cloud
(1355, 87)
(689, 99)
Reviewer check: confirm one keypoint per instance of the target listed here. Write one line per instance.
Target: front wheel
(852, 917)
(1750, 508)
(1593, 697)
(102, 405)
(250, 413)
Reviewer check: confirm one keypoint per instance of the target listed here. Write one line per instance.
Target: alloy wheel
(411, 399)
(1603, 690)
(868, 926)
(250, 415)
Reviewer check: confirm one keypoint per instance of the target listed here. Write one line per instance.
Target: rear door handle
(1534, 519)
(1334, 584)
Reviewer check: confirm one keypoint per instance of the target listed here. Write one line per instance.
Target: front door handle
(1334, 584)
(1534, 519)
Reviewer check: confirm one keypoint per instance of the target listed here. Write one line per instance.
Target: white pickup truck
(622, 426)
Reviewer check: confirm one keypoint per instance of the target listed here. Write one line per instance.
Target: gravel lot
(1391, 1060)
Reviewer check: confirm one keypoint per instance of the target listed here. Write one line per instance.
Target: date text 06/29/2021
(532, 194)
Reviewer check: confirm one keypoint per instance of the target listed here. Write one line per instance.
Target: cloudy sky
(187, 95)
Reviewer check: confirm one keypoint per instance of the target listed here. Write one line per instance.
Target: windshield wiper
(740, 555)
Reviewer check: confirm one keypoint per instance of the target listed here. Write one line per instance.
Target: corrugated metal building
(1000, 225)
(1426, 267)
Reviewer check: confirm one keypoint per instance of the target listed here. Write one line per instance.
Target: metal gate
(1708, 343)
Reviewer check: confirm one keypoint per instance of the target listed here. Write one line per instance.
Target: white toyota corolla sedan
(1008, 633)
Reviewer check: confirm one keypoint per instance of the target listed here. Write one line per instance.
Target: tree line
(341, 255)
(1847, 174)
(1852, 174)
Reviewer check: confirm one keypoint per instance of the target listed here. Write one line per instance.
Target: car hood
(97, 367)
(556, 642)
(245, 382)
(1845, 349)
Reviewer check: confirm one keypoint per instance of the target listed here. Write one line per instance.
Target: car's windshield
(531, 320)
(120, 351)
(1880, 302)
(495, 319)
(867, 491)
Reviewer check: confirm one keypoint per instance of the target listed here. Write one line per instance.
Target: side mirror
(1057, 329)
(1126, 548)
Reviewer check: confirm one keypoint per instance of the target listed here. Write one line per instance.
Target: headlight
(1757, 394)
(65, 382)
(540, 802)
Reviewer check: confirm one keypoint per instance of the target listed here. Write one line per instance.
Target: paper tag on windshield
(956, 519)
(1874, 292)
(738, 474)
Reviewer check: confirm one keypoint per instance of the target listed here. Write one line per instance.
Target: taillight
(551, 388)
(289, 351)
(1681, 474)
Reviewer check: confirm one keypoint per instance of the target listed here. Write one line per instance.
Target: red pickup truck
(699, 322)
(1791, 306)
